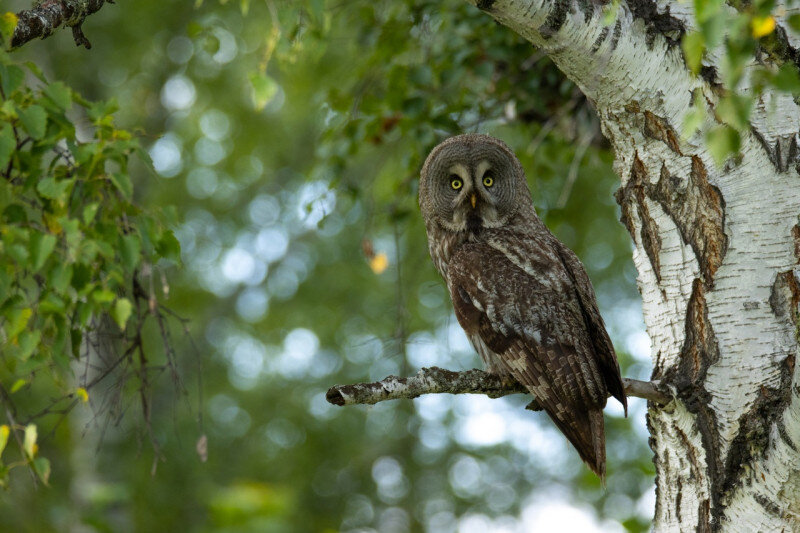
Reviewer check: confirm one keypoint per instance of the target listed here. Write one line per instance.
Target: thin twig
(435, 380)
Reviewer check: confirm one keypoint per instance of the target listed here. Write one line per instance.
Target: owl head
(472, 181)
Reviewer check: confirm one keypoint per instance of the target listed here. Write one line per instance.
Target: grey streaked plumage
(522, 296)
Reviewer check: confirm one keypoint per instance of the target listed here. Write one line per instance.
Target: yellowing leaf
(4, 432)
(8, 23)
(29, 443)
(82, 394)
(762, 26)
(17, 385)
(379, 262)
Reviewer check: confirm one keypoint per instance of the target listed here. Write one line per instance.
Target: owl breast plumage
(522, 297)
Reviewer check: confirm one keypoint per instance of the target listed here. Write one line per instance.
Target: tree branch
(46, 17)
(435, 380)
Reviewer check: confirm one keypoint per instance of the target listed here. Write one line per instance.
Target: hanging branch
(47, 16)
(435, 380)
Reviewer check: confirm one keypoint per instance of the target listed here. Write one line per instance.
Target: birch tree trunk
(717, 251)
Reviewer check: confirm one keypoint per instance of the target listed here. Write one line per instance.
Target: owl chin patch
(474, 223)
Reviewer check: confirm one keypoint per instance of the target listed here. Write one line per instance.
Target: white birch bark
(717, 252)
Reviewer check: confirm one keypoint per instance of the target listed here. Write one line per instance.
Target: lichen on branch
(46, 17)
(435, 380)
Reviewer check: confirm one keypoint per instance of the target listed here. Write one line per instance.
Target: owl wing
(606, 357)
(535, 325)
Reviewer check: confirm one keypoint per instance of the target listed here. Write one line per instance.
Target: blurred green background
(288, 135)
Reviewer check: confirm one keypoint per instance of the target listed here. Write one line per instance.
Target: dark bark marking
(632, 106)
(704, 517)
(600, 39)
(651, 240)
(657, 23)
(768, 505)
(796, 239)
(752, 439)
(658, 128)
(635, 192)
(698, 353)
(783, 153)
(698, 209)
(587, 8)
(784, 297)
(555, 19)
(615, 36)
(696, 469)
(785, 434)
(485, 5)
(699, 349)
(709, 74)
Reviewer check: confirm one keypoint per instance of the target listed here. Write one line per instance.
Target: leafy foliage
(75, 245)
(736, 33)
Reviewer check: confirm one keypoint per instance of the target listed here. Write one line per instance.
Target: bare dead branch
(435, 380)
(46, 17)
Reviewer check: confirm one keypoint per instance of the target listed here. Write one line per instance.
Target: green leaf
(53, 189)
(27, 341)
(123, 183)
(7, 144)
(130, 250)
(17, 321)
(794, 22)
(693, 47)
(722, 142)
(264, 89)
(706, 9)
(103, 296)
(122, 312)
(787, 79)
(29, 442)
(11, 78)
(34, 120)
(36, 71)
(168, 247)
(41, 466)
(60, 277)
(734, 110)
(60, 94)
(43, 245)
(89, 212)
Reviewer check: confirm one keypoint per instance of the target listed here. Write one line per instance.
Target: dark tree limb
(49, 15)
(438, 380)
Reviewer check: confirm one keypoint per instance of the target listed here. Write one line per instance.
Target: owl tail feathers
(587, 435)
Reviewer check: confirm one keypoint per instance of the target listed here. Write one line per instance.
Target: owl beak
(473, 199)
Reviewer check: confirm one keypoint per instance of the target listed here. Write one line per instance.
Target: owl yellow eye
(488, 181)
(456, 183)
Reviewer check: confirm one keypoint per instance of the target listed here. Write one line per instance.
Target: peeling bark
(698, 210)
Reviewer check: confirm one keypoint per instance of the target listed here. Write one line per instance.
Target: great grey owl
(522, 297)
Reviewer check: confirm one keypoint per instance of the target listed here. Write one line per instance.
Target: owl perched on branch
(522, 296)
